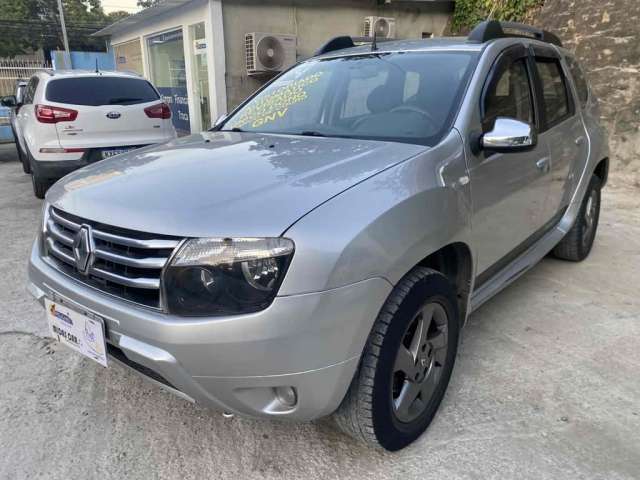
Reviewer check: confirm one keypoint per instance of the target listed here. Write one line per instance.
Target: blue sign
(178, 101)
(6, 135)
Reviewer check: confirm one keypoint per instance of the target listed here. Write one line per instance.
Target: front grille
(125, 263)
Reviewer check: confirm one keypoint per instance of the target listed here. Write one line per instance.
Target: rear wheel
(26, 167)
(577, 243)
(406, 365)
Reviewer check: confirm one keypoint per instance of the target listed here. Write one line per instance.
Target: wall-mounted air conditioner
(269, 53)
(384, 27)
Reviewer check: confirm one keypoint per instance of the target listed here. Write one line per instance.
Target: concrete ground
(547, 386)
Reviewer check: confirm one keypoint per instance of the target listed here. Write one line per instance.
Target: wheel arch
(602, 171)
(454, 261)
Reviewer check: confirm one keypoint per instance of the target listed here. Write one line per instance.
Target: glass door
(129, 57)
(167, 68)
(200, 73)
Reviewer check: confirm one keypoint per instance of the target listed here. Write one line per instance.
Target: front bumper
(311, 342)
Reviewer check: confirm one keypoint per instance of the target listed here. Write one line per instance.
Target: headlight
(225, 276)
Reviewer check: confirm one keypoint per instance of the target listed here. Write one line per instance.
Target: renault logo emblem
(83, 249)
(113, 115)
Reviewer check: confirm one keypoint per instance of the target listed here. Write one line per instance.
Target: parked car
(69, 119)
(11, 103)
(319, 252)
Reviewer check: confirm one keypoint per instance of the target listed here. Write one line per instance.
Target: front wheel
(577, 243)
(22, 158)
(40, 185)
(406, 364)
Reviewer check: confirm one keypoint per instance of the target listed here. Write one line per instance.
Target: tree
(468, 13)
(148, 3)
(116, 16)
(28, 25)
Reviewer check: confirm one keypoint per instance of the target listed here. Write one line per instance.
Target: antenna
(374, 44)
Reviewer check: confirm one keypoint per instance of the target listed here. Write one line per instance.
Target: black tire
(369, 412)
(40, 185)
(26, 166)
(22, 158)
(577, 243)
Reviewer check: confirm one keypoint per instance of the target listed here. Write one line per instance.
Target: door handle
(543, 164)
(580, 140)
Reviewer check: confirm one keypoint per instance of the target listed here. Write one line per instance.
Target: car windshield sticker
(276, 105)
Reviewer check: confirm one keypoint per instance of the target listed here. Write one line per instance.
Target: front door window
(510, 96)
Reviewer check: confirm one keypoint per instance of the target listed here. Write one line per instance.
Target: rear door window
(582, 87)
(96, 91)
(555, 98)
(30, 91)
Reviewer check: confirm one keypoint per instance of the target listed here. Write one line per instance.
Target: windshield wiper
(312, 133)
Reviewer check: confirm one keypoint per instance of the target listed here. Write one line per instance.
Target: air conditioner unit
(384, 27)
(269, 53)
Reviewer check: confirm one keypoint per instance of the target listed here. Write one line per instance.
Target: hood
(222, 183)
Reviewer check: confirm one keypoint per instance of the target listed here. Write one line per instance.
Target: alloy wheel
(419, 362)
(590, 213)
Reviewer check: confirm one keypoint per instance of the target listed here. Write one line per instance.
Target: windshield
(407, 97)
(96, 91)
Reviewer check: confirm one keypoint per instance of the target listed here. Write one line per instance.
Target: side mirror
(509, 134)
(9, 101)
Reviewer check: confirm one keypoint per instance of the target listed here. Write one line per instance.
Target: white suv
(68, 119)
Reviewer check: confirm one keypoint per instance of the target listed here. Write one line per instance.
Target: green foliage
(113, 17)
(469, 13)
(148, 3)
(27, 25)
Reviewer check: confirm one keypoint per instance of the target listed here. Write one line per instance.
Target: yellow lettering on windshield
(276, 105)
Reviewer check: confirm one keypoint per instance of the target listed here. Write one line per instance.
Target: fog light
(287, 396)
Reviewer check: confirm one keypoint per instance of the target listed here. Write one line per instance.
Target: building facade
(196, 51)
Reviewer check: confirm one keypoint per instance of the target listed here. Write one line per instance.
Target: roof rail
(492, 29)
(345, 41)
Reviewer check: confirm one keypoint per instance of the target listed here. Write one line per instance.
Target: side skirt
(522, 262)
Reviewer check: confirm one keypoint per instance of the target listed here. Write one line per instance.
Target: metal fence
(12, 70)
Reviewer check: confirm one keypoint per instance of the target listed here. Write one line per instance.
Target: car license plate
(77, 331)
(114, 151)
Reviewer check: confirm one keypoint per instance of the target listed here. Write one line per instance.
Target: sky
(126, 5)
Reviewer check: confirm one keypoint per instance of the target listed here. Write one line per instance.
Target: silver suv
(320, 249)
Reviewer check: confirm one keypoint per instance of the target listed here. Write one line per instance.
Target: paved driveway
(547, 386)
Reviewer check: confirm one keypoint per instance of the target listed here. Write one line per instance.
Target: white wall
(207, 11)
